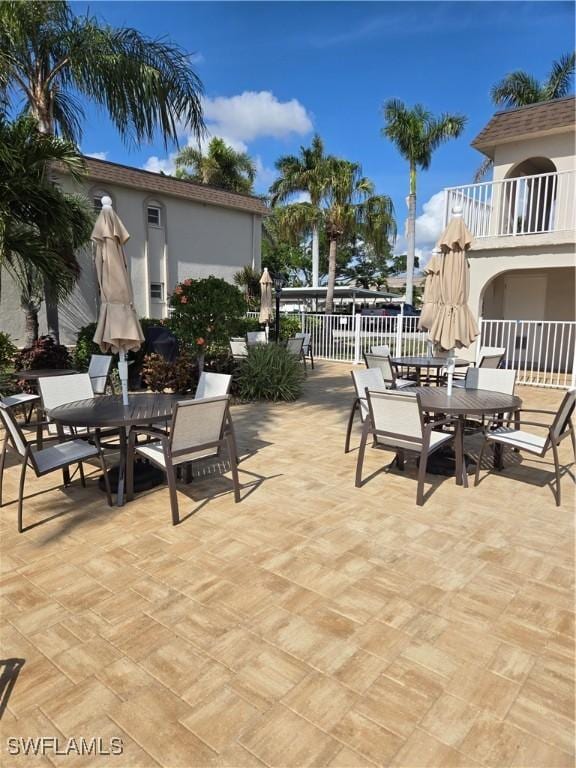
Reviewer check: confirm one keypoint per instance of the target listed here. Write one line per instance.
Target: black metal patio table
(467, 402)
(108, 412)
(427, 363)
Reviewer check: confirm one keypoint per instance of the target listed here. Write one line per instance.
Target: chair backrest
(382, 349)
(366, 378)
(197, 423)
(98, 371)
(212, 385)
(307, 337)
(60, 390)
(396, 414)
(491, 357)
(382, 362)
(16, 435)
(256, 337)
(492, 379)
(565, 412)
(238, 349)
(295, 346)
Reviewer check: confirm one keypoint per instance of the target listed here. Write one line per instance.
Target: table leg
(39, 426)
(122, 468)
(498, 448)
(459, 450)
(417, 376)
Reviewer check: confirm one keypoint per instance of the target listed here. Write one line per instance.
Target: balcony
(517, 207)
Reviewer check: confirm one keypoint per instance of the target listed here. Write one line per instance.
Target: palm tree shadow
(9, 671)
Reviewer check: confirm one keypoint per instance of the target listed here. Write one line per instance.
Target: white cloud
(251, 115)
(161, 165)
(97, 155)
(429, 226)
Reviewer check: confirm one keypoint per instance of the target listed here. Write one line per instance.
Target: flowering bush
(7, 351)
(205, 313)
(44, 353)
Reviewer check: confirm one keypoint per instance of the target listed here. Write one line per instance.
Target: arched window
(530, 197)
(97, 194)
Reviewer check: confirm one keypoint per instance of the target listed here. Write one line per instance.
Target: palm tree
(354, 211)
(416, 134)
(221, 166)
(40, 226)
(519, 89)
(308, 173)
(49, 57)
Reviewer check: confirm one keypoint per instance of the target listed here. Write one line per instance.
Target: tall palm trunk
(30, 322)
(42, 112)
(331, 277)
(411, 236)
(315, 256)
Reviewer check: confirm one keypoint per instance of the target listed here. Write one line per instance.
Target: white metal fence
(526, 205)
(542, 353)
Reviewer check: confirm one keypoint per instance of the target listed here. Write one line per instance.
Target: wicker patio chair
(395, 421)
(198, 431)
(47, 460)
(540, 444)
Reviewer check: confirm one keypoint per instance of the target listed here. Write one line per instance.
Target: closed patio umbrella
(454, 325)
(431, 295)
(118, 329)
(265, 299)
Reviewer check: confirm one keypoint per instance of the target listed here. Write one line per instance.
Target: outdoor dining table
(427, 363)
(108, 412)
(467, 402)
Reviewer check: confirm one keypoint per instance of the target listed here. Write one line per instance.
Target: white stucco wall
(196, 240)
(560, 148)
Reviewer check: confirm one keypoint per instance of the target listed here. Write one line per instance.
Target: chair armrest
(150, 431)
(531, 424)
(535, 410)
(431, 424)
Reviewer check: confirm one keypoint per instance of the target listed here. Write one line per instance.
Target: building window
(97, 199)
(153, 214)
(157, 291)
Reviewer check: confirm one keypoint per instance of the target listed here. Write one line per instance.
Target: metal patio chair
(307, 346)
(395, 421)
(389, 371)
(46, 460)
(558, 430)
(99, 371)
(371, 378)
(197, 431)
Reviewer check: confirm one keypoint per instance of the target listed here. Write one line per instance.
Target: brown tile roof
(126, 176)
(510, 125)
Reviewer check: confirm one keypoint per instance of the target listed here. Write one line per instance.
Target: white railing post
(302, 322)
(479, 341)
(399, 330)
(573, 381)
(357, 339)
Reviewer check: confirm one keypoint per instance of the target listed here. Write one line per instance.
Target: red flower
(178, 289)
(184, 300)
(200, 341)
(188, 281)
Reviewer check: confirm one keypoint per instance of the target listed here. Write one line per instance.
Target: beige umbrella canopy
(118, 329)
(454, 325)
(265, 297)
(431, 295)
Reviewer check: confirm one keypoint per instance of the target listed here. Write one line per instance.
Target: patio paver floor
(313, 624)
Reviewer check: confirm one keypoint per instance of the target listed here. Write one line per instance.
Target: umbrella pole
(123, 371)
(450, 368)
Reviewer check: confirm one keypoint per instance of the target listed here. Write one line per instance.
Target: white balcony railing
(526, 205)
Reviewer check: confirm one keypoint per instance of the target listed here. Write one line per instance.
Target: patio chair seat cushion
(20, 399)
(517, 438)
(154, 452)
(62, 454)
(436, 440)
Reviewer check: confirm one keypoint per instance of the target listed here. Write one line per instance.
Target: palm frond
(517, 89)
(559, 81)
(483, 169)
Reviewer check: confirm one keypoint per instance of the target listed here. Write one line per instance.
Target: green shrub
(85, 347)
(270, 372)
(158, 374)
(44, 353)
(7, 351)
(289, 326)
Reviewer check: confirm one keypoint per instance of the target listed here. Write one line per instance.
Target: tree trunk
(30, 323)
(45, 125)
(315, 256)
(331, 278)
(411, 237)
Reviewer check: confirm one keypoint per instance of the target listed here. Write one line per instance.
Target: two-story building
(522, 260)
(178, 229)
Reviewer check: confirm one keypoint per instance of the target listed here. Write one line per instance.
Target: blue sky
(275, 72)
